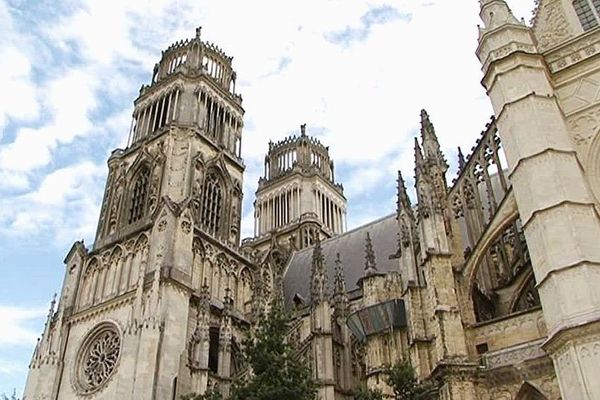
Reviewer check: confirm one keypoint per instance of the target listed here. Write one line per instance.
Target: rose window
(98, 358)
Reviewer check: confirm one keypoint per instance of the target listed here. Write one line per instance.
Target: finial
(370, 265)
(198, 32)
(427, 129)
(461, 159)
(52, 304)
(303, 129)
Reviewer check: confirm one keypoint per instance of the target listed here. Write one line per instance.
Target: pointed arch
(213, 203)
(138, 194)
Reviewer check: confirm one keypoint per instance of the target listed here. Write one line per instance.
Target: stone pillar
(555, 204)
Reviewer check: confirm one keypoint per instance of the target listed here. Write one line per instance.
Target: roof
(351, 246)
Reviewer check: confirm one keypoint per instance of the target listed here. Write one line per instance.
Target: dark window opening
(137, 206)
(586, 14)
(212, 204)
(213, 350)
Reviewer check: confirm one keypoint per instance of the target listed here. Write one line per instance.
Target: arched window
(139, 194)
(212, 201)
(588, 12)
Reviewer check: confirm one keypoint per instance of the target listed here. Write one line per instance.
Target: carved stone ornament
(98, 358)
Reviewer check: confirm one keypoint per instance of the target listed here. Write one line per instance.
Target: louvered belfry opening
(212, 201)
(138, 196)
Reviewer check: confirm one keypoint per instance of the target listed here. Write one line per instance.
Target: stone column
(555, 204)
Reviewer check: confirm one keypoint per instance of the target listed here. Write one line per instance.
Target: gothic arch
(137, 193)
(506, 215)
(214, 203)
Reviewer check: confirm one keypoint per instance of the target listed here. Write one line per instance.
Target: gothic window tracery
(98, 358)
(588, 12)
(212, 204)
(139, 194)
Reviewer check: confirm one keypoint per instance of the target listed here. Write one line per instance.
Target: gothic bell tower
(298, 200)
(158, 306)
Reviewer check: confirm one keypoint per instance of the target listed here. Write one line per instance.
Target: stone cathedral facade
(488, 285)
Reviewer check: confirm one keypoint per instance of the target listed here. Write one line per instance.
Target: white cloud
(13, 321)
(64, 205)
(363, 97)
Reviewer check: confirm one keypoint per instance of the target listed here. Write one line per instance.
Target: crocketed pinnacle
(339, 282)
(403, 201)
(318, 275)
(370, 264)
(204, 302)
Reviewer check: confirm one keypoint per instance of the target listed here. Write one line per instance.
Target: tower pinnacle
(403, 199)
(370, 264)
(318, 275)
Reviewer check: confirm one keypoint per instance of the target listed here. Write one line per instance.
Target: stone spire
(431, 145)
(419, 161)
(340, 296)
(51, 311)
(370, 264)
(403, 201)
(318, 275)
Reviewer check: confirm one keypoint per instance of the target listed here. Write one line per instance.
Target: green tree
(210, 394)
(276, 374)
(368, 394)
(403, 381)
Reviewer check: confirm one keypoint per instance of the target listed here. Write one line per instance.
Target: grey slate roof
(351, 246)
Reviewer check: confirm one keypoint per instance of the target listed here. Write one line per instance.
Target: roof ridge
(353, 230)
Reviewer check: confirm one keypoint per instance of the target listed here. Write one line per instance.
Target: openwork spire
(318, 275)
(370, 264)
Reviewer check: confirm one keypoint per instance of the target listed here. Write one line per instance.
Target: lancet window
(155, 115)
(588, 12)
(212, 204)
(139, 194)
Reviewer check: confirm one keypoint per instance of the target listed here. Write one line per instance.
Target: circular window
(98, 357)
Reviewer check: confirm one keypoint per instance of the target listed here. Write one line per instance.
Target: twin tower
(160, 304)
(489, 286)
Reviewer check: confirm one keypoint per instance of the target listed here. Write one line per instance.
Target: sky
(356, 72)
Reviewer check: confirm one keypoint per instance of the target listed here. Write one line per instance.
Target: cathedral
(488, 285)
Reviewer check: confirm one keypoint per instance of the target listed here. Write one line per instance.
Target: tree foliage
(403, 381)
(210, 394)
(368, 394)
(276, 374)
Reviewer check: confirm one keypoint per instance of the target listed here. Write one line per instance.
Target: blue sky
(357, 72)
